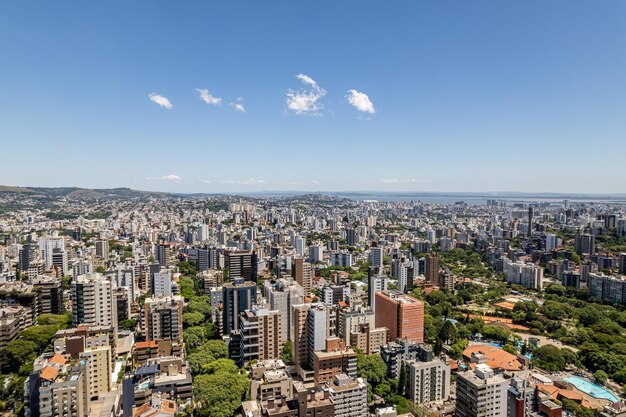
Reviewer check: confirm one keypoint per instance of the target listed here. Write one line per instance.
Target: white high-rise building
(377, 257)
(282, 295)
(349, 395)
(316, 253)
(552, 242)
(162, 284)
(429, 381)
(93, 301)
(481, 393)
(47, 246)
(299, 245)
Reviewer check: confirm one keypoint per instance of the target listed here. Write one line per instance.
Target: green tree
(193, 319)
(219, 393)
(371, 367)
(18, 353)
(209, 356)
(129, 324)
(287, 352)
(549, 357)
(600, 376)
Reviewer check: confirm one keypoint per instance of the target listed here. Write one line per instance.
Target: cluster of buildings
(279, 275)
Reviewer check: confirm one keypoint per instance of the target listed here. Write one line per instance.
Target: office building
(401, 314)
(376, 257)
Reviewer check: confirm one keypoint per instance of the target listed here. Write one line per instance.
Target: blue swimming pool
(592, 389)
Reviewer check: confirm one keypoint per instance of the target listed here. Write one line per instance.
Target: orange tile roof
(146, 344)
(496, 358)
(49, 373)
(57, 359)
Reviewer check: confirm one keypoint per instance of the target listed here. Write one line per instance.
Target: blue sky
(448, 95)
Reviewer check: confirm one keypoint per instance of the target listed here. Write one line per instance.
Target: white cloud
(399, 181)
(306, 79)
(361, 101)
(207, 97)
(306, 101)
(160, 100)
(238, 107)
(250, 181)
(171, 177)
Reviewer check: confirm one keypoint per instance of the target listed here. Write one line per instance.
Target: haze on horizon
(248, 96)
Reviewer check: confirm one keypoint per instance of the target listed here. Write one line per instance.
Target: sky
(235, 96)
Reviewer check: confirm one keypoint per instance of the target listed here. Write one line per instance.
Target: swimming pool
(592, 389)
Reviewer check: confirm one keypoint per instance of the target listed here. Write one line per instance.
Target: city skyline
(410, 97)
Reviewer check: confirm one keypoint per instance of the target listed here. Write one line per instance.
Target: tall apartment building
(57, 388)
(50, 295)
(401, 314)
(163, 318)
(282, 295)
(47, 246)
(102, 249)
(242, 264)
(369, 340)
(481, 393)
(349, 395)
(429, 380)
(162, 283)
(93, 301)
(302, 274)
(376, 257)
(309, 333)
(527, 275)
(261, 335)
(608, 288)
(375, 282)
(99, 363)
(335, 359)
(238, 296)
(585, 244)
(316, 253)
(350, 321)
(395, 354)
(432, 269)
(341, 259)
(621, 263)
(26, 255)
(520, 398)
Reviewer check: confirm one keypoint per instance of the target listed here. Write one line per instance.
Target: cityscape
(409, 208)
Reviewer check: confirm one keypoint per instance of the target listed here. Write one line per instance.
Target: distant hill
(77, 193)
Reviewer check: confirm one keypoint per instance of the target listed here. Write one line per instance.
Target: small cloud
(403, 181)
(160, 100)
(361, 101)
(238, 107)
(251, 181)
(207, 97)
(306, 101)
(171, 177)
